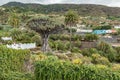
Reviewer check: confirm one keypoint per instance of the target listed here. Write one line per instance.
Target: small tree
(45, 26)
(71, 19)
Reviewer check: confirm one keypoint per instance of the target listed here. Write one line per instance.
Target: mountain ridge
(83, 9)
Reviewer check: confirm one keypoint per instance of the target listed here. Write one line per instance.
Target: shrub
(60, 37)
(13, 59)
(89, 52)
(65, 37)
(15, 33)
(59, 45)
(77, 44)
(107, 51)
(38, 57)
(72, 29)
(77, 61)
(76, 50)
(37, 40)
(76, 37)
(53, 69)
(97, 59)
(91, 37)
(1, 27)
(116, 67)
(23, 38)
(86, 60)
(118, 54)
(106, 27)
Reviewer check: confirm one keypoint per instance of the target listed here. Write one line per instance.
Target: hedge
(53, 69)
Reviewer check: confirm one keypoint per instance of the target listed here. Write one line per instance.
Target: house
(117, 27)
(99, 32)
(104, 31)
(84, 31)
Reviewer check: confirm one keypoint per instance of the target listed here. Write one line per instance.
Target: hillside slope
(83, 9)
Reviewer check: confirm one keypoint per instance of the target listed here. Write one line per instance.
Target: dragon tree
(45, 26)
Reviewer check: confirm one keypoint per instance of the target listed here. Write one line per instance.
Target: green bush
(37, 39)
(91, 37)
(60, 37)
(72, 29)
(76, 37)
(13, 60)
(89, 52)
(106, 27)
(76, 50)
(107, 51)
(15, 33)
(1, 27)
(97, 59)
(77, 43)
(53, 69)
(118, 54)
(65, 37)
(22, 36)
(59, 45)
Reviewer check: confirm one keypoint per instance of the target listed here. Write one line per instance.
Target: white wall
(6, 38)
(22, 46)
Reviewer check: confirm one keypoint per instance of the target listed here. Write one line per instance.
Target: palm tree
(71, 19)
(45, 26)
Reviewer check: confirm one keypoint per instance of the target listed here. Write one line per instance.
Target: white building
(84, 31)
(117, 27)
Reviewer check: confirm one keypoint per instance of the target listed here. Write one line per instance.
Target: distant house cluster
(104, 31)
(96, 31)
(82, 29)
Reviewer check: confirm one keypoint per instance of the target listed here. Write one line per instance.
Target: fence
(22, 46)
(6, 38)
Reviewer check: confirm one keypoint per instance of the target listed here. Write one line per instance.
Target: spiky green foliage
(71, 18)
(14, 19)
(45, 26)
(12, 63)
(53, 69)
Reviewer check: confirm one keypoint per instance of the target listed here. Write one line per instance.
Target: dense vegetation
(54, 69)
(13, 64)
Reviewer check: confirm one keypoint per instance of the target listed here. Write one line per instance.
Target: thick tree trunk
(45, 44)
